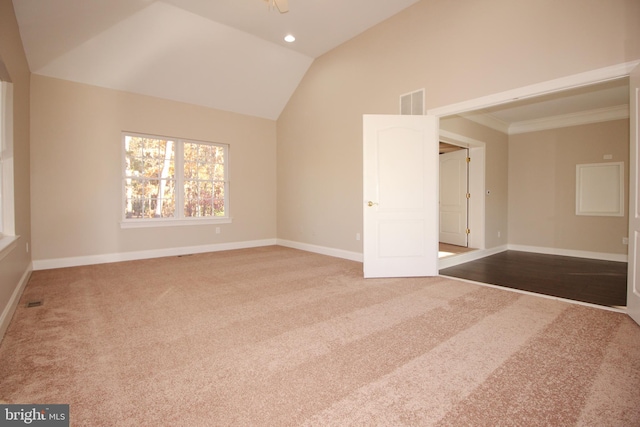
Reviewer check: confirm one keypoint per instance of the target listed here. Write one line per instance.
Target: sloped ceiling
(223, 54)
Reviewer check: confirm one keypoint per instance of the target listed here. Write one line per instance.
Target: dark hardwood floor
(579, 279)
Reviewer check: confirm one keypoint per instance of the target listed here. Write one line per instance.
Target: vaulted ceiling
(224, 54)
(230, 54)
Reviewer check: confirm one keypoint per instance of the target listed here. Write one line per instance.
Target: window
(2, 154)
(7, 226)
(8, 238)
(171, 180)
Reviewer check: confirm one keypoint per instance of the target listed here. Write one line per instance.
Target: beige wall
(456, 50)
(15, 267)
(76, 170)
(542, 187)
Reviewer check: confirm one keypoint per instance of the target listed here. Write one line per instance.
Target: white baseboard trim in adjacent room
(469, 256)
(569, 252)
(322, 250)
(10, 308)
(46, 264)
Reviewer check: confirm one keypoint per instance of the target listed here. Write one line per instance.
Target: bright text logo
(36, 415)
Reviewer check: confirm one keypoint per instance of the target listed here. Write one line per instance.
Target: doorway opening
(452, 252)
(555, 87)
(454, 195)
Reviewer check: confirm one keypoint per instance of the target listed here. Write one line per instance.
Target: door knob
(370, 203)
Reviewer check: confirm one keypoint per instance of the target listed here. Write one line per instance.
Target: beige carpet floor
(279, 337)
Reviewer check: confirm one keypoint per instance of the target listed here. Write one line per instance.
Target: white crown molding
(487, 120)
(598, 115)
(606, 114)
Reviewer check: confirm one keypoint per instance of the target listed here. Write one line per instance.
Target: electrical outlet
(625, 240)
(217, 230)
(357, 236)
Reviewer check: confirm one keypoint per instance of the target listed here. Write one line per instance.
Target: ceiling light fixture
(289, 38)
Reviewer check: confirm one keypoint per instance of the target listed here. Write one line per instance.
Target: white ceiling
(223, 54)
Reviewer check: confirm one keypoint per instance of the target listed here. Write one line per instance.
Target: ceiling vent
(412, 103)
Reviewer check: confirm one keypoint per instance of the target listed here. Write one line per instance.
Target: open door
(633, 285)
(454, 197)
(400, 189)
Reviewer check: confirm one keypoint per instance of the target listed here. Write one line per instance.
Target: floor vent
(34, 304)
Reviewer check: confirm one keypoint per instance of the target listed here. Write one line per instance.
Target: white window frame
(8, 237)
(179, 218)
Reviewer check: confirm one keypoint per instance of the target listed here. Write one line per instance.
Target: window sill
(7, 244)
(145, 223)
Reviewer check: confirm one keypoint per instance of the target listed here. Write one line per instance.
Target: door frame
(544, 88)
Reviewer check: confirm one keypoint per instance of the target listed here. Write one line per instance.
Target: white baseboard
(569, 252)
(322, 250)
(469, 256)
(481, 253)
(10, 308)
(46, 264)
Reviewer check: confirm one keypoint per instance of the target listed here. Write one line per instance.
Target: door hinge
(468, 195)
(467, 231)
(468, 159)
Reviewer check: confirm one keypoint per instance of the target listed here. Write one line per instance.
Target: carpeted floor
(276, 337)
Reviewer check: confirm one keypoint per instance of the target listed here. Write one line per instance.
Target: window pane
(150, 199)
(203, 180)
(190, 169)
(148, 157)
(218, 172)
(218, 199)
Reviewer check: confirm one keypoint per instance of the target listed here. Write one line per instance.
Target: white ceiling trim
(598, 115)
(574, 119)
(488, 120)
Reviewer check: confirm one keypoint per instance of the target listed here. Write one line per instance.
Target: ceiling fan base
(281, 5)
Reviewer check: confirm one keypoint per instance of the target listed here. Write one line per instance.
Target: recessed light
(289, 38)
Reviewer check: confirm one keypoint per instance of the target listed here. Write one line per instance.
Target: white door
(633, 284)
(453, 197)
(400, 189)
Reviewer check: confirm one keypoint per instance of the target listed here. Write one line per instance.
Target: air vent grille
(412, 103)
